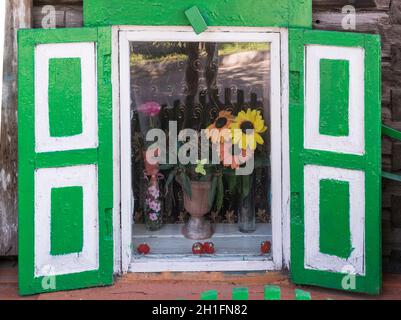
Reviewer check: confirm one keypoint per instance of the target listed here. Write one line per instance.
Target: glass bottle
(153, 206)
(246, 207)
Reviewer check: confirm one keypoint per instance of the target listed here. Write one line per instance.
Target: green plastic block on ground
(209, 295)
(272, 293)
(302, 295)
(240, 294)
(196, 20)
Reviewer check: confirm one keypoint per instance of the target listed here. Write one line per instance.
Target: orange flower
(219, 131)
(229, 159)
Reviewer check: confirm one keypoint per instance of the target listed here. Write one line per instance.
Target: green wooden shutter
(65, 187)
(335, 157)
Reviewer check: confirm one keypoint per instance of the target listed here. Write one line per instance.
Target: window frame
(278, 37)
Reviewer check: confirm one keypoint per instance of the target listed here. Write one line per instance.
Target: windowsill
(171, 251)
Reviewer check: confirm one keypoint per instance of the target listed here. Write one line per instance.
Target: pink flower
(153, 216)
(155, 206)
(153, 191)
(148, 201)
(150, 108)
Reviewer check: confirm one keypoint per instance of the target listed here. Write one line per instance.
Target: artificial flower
(197, 248)
(155, 206)
(219, 130)
(208, 247)
(153, 216)
(143, 248)
(229, 159)
(153, 191)
(247, 129)
(200, 166)
(150, 108)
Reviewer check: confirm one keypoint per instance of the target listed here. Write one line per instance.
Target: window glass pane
(202, 85)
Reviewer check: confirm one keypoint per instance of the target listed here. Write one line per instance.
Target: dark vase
(246, 208)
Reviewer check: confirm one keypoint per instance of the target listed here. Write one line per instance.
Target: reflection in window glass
(199, 86)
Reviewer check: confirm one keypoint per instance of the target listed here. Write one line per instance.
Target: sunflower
(247, 129)
(219, 130)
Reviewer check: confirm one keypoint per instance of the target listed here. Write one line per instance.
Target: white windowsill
(171, 251)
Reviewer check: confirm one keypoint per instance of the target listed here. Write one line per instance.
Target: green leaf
(220, 194)
(170, 179)
(239, 184)
(186, 184)
(163, 167)
(200, 170)
(200, 167)
(212, 192)
(232, 182)
(261, 161)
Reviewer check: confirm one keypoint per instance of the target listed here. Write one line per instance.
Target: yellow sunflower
(219, 131)
(247, 129)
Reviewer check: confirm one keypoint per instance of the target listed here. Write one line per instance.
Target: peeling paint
(368, 162)
(99, 268)
(5, 179)
(250, 13)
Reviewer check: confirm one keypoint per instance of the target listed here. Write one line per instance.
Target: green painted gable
(248, 13)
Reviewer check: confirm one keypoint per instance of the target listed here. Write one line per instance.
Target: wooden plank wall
(372, 16)
(18, 15)
(381, 17)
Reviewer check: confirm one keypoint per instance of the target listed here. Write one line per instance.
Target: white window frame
(278, 38)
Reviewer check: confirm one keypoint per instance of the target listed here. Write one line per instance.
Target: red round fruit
(197, 248)
(265, 247)
(208, 247)
(143, 248)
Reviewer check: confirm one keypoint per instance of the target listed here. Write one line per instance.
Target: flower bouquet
(239, 140)
(236, 148)
(196, 179)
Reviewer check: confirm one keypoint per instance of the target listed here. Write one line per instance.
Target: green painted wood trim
(251, 13)
(391, 176)
(196, 20)
(300, 14)
(67, 219)
(334, 97)
(65, 107)
(370, 162)
(302, 295)
(34, 37)
(390, 132)
(66, 158)
(27, 160)
(272, 292)
(339, 160)
(209, 295)
(334, 218)
(240, 294)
